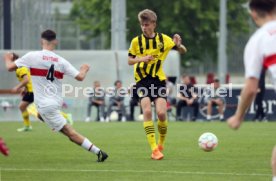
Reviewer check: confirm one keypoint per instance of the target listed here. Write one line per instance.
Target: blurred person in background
(214, 99)
(187, 97)
(97, 99)
(117, 101)
(26, 89)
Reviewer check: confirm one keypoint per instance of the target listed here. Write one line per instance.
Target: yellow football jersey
(20, 72)
(158, 47)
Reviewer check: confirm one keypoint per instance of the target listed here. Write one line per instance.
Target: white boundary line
(138, 171)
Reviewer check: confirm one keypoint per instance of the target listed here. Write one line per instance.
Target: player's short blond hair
(147, 15)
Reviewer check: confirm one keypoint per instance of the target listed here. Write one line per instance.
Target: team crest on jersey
(140, 94)
(160, 45)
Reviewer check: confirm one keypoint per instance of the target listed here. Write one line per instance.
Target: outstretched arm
(83, 71)
(178, 42)
(247, 96)
(22, 84)
(10, 65)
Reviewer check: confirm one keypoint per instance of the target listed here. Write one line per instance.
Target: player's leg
(220, 105)
(101, 112)
(57, 122)
(161, 109)
(132, 105)
(77, 138)
(148, 123)
(109, 110)
(273, 163)
(149, 128)
(123, 111)
(88, 114)
(209, 109)
(179, 107)
(195, 106)
(25, 115)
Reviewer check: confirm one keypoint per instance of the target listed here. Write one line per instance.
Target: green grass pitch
(45, 155)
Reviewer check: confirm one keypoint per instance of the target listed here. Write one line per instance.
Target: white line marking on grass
(137, 171)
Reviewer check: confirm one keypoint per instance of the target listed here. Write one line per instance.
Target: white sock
(221, 116)
(274, 178)
(86, 144)
(208, 117)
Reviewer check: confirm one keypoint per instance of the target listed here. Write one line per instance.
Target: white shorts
(52, 117)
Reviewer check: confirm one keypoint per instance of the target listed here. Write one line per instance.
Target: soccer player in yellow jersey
(147, 53)
(25, 85)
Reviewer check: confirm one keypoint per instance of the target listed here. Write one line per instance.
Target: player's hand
(84, 67)
(177, 40)
(23, 93)
(147, 58)
(234, 122)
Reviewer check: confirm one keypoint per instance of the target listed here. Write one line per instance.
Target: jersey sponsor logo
(160, 45)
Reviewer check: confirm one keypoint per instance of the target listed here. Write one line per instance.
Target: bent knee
(161, 115)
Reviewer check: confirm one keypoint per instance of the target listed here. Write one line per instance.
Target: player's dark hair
(216, 80)
(263, 6)
(116, 82)
(14, 56)
(48, 35)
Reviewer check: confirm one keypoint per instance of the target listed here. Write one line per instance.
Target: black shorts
(28, 97)
(152, 88)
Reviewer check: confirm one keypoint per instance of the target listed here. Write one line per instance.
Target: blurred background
(89, 25)
(99, 32)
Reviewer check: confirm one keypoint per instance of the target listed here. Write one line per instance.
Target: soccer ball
(208, 141)
(114, 116)
(140, 117)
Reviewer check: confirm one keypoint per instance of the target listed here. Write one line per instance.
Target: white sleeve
(253, 59)
(25, 61)
(70, 70)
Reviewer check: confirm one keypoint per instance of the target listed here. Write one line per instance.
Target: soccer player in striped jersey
(259, 54)
(147, 53)
(47, 70)
(24, 77)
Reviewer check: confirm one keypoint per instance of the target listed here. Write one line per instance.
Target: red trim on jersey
(270, 60)
(43, 73)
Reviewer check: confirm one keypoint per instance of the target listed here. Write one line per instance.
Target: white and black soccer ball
(114, 116)
(208, 141)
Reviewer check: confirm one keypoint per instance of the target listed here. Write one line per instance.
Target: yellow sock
(26, 121)
(64, 115)
(162, 129)
(149, 129)
(31, 109)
